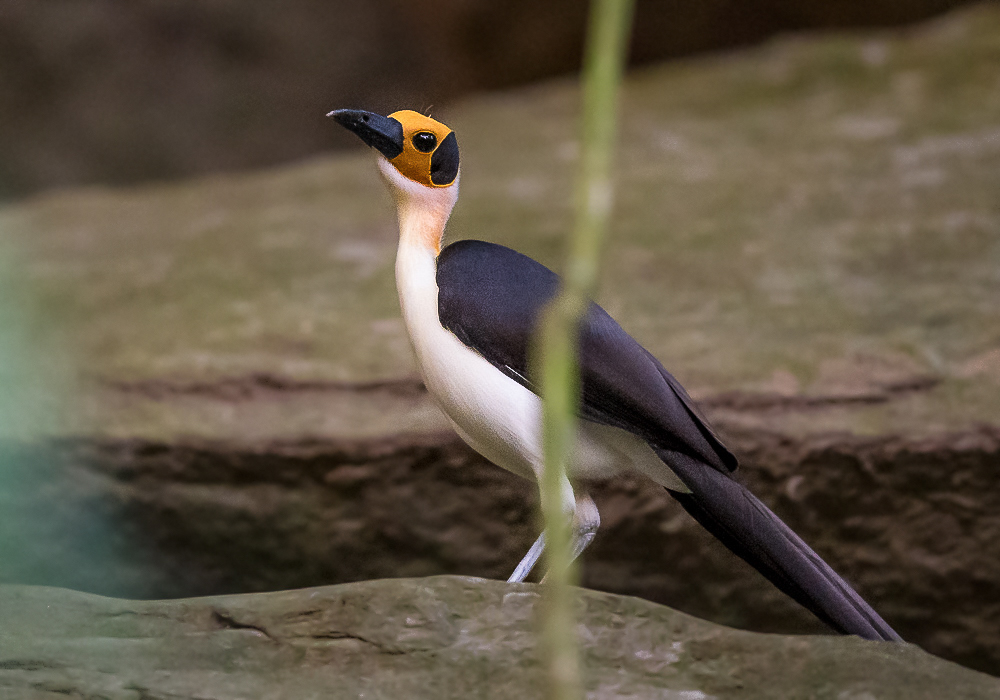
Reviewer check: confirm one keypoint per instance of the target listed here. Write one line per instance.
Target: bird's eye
(425, 141)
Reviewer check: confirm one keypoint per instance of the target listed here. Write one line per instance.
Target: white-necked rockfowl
(470, 310)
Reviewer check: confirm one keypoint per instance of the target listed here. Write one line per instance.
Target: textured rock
(807, 235)
(438, 638)
(913, 526)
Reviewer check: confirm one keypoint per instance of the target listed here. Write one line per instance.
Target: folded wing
(490, 298)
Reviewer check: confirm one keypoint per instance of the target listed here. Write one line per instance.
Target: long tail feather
(755, 534)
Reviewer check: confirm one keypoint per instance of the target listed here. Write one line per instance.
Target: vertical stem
(555, 358)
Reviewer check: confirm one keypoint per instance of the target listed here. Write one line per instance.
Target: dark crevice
(27, 665)
(383, 649)
(254, 385)
(224, 621)
(147, 694)
(753, 401)
(262, 384)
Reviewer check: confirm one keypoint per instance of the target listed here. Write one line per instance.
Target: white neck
(423, 213)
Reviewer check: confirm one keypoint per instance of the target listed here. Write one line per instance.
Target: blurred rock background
(117, 92)
(808, 235)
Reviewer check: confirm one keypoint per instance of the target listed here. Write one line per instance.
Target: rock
(441, 637)
(806, 235)
(99, 92)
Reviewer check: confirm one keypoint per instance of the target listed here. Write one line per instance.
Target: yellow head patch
(430, 150)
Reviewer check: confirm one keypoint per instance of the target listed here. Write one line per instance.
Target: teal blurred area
(55, 527)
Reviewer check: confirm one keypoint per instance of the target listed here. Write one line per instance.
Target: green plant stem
(556, 346)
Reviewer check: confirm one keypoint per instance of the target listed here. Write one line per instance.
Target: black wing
(490, 297)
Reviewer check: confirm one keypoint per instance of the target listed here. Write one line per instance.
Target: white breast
(494, 414)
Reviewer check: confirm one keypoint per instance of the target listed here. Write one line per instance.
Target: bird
(470, 310)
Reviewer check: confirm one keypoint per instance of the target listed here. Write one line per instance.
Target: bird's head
(419, 155)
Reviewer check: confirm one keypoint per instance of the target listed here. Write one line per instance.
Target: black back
(490, 297)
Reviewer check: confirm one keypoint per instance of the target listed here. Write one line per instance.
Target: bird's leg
(528, 563)
(586, 520)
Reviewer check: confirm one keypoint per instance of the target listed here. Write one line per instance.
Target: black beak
(384, 134)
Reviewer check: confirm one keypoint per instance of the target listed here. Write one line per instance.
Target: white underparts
(495, 415)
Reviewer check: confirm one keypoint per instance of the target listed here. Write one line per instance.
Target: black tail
(755, 534)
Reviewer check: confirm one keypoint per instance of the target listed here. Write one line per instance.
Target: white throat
(423, 213)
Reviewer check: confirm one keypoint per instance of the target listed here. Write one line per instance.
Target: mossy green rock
(441, 638)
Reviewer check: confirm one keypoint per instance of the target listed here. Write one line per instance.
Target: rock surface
(807, 236)
(442, 637)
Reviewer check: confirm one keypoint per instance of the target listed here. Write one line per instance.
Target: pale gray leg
(529, 561)
(586, 520)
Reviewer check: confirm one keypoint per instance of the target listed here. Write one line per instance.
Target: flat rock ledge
(440, 637)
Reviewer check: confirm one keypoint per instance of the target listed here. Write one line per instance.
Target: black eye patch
(424, 141)
(444, 162)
